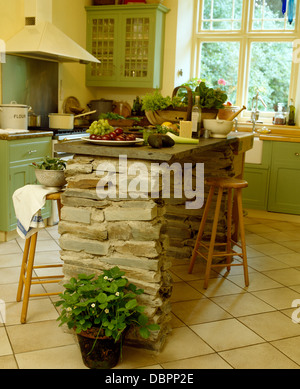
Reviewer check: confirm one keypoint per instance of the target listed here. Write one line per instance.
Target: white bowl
(218, 128)
(51, 178)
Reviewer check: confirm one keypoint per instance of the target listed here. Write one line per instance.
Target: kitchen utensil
(14, 116)
(218, 128)
(72, 105)
(235, 114)
(114, 142)
(64, 120)
(101, 106)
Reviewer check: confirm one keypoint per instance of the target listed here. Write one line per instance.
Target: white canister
(61, 121)
(14, 116)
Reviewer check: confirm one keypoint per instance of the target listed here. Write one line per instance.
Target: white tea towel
(28, 202)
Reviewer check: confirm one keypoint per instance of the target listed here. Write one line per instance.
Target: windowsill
(270, 126)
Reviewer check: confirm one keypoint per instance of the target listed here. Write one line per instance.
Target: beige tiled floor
(227, 326)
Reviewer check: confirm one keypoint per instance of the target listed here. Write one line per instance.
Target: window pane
(222, 14)
(270, 73)
(267, 15)
(220, 60)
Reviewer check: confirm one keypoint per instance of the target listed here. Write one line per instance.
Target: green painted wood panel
(16, 157)
(129, 41)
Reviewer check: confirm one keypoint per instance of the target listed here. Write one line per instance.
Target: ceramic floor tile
(226, 334)
(260, 356)
(182, 291)
(37, 336)
(65, 357)
(293, 245)
(290, 347)
(211, 361)
(175, 347)
(43, 245)
(257, 281)
(8, 362)
(134, 358)
(255, 239)
(271, 325)
(265, 263)
(9, 275)
(280, 236)
(217, 287)
(279, 298)
(271, 248)
(11, 247)
(5, 348)
(8, 292)
(201, 311)
(281, 225)
(259, 228)
(286, 277)
(242, 304)
(38, 309)
(289, 259)
(11, 260)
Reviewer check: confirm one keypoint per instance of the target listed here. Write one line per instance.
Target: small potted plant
(100, 310)
(50, 172)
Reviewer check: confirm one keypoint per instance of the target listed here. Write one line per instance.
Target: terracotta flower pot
(100, 352)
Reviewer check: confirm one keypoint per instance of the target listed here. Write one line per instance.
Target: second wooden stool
(26, 279)
(222, 184)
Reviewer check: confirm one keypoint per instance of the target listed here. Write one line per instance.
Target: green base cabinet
(16, 157)
(129, 42)
(284, 193)
(274, 185)
(255, 196)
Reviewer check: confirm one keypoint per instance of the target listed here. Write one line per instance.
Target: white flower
(117, 294)
(69, 309)
(106, 278)
(93, 305)
(106, 310)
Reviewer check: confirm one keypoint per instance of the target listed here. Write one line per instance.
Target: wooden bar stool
(28, 266)
(230, 184)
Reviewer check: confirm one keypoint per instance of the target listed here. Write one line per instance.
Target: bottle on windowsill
(291, 119)
(196, 118)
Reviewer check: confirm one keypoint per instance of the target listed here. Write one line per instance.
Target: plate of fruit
(103, 134)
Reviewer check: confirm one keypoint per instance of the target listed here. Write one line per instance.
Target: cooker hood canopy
(41, 39)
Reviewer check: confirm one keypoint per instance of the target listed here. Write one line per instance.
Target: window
(249, 44)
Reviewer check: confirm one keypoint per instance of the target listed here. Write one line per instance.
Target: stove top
(60, 133)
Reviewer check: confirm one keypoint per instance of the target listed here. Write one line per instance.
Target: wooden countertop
(240, 141)
(278, 134)
(26, 135)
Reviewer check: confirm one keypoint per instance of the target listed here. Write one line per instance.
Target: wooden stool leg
(28, 277)
(242, 234)
(201, 228)
(229, 225)
(23, 269)
(59, 206)
(213, 238)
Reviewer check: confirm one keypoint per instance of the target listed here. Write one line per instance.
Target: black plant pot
(100, 353)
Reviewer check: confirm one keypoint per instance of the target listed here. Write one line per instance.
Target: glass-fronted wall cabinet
(129, 42)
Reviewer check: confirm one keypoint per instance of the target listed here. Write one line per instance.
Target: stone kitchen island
(132, 221)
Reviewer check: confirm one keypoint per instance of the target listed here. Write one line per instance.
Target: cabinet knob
(32, 152)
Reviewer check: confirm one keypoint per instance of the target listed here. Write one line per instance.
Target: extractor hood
(43, 40)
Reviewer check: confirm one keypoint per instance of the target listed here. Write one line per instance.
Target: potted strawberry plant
(101, 310)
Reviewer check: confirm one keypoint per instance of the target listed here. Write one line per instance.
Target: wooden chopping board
(122, 108)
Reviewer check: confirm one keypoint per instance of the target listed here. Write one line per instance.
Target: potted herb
(100, 310)
(159, 109)
(50, 172)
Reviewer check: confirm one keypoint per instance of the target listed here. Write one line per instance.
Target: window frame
(245, 36)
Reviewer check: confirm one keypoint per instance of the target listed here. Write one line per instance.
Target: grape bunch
(100, 127)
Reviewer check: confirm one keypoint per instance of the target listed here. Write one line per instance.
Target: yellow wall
(70, 17)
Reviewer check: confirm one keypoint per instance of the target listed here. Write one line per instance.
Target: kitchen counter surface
(25, 135)
(277, 134)
(241, 142)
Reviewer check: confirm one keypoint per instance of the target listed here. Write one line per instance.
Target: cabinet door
(284, 193)
(102, 29)
(255, 196)
(128, 40)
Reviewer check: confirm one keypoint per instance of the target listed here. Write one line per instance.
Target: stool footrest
(44, 294)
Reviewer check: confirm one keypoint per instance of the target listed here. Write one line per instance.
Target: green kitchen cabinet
(284, 192)
(129, 42)
(16, 157)
(255, 196)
